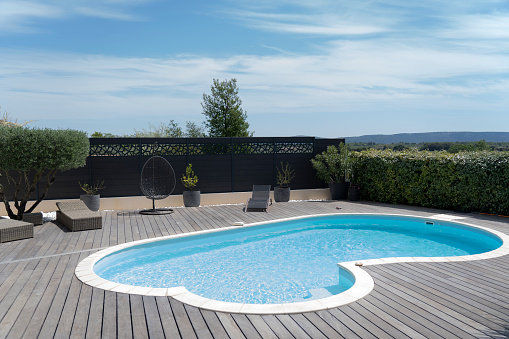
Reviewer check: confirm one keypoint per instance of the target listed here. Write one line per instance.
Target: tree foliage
(334, 164)
(26, 155)
(224, 114)
(465, 181)
(171, 130)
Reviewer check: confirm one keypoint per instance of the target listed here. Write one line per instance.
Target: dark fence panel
(221, 164)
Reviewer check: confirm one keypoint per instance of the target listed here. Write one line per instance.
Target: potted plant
(284, 176)
(189, 180)
(91, 198)
(334, 167)
(354, 192)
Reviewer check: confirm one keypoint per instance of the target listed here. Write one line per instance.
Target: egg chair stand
(157, 182)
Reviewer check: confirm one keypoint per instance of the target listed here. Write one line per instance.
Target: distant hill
(432, 137)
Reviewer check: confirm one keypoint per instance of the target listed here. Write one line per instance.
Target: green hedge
(469, 181)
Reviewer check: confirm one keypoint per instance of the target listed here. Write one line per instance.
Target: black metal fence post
(232, 165)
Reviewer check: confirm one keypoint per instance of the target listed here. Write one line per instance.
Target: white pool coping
(363, 285)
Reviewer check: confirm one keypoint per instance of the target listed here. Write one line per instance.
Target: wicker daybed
(11, 230)
(76, 216)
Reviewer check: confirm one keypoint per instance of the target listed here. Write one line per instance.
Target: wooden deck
(41, 298)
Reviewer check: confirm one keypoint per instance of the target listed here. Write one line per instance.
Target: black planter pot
(282, 194)
(353, 194)
(191, 198)
(339, 190)
(93, 202)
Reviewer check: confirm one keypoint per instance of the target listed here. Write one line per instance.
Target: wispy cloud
(315, 24)
(19, 16)
(25, 16)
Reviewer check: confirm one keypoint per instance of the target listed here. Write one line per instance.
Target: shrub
(467, 181)
(334, 164)
(28, 154)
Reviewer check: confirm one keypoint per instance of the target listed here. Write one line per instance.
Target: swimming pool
(289, 261)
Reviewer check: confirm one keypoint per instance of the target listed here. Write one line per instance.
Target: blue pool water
(287, 261)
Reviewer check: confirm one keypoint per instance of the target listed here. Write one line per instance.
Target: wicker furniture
(76, 216)
(34, 218)
(11, 230)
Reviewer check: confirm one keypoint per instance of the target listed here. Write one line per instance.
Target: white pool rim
(362, 286)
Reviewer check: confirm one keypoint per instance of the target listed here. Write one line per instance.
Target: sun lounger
(11, 230)
(76, 216)
(260, 200)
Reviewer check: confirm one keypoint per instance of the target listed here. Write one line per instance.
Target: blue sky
(328, 68)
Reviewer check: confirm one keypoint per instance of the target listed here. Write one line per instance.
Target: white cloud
(105, 13)
(316, 24)
(17, 16)
(488, 26)
(25, 16)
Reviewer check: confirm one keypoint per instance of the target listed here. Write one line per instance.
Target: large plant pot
(93, 202)
(339, 191)
(191, 198)
(353, 194)
(282, 194)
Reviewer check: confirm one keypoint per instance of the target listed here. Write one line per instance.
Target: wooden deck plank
(322, 326)
(230, 326)
(124, 324)
(214, 325)
(155, 328)
(470, 305)
(414, 307)
(109, 329)
(199, 325)
(95, 315)
(355, 326)
(28, 310)
(369, 322)
(184, 325)
(79, 328)
(40, 296)
(276, 326)
(307, 326)
(430, 302)
(245, 326)
(390, 325)
(292, 326)
(168, 322)
(58, 301)
(33, 328)
(338, 326)
(261, 326)
(140, 329)
(22, 296)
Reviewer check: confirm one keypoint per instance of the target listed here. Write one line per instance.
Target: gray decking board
(124, 323)
(246, 326)
(139, 322)
(229, 325)
(214, 325)
(40, 296)
(184, 324)
(472, 305)
(340, 328)
(168, 322)
(261, 326)
(196, 318)
(292, 326)
(154, 322)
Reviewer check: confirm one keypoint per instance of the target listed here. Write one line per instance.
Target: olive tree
(26, 155)
(223, 111)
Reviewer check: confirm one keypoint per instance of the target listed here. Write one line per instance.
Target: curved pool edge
(363, 285)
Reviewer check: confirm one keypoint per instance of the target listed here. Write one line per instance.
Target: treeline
(451, 147)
